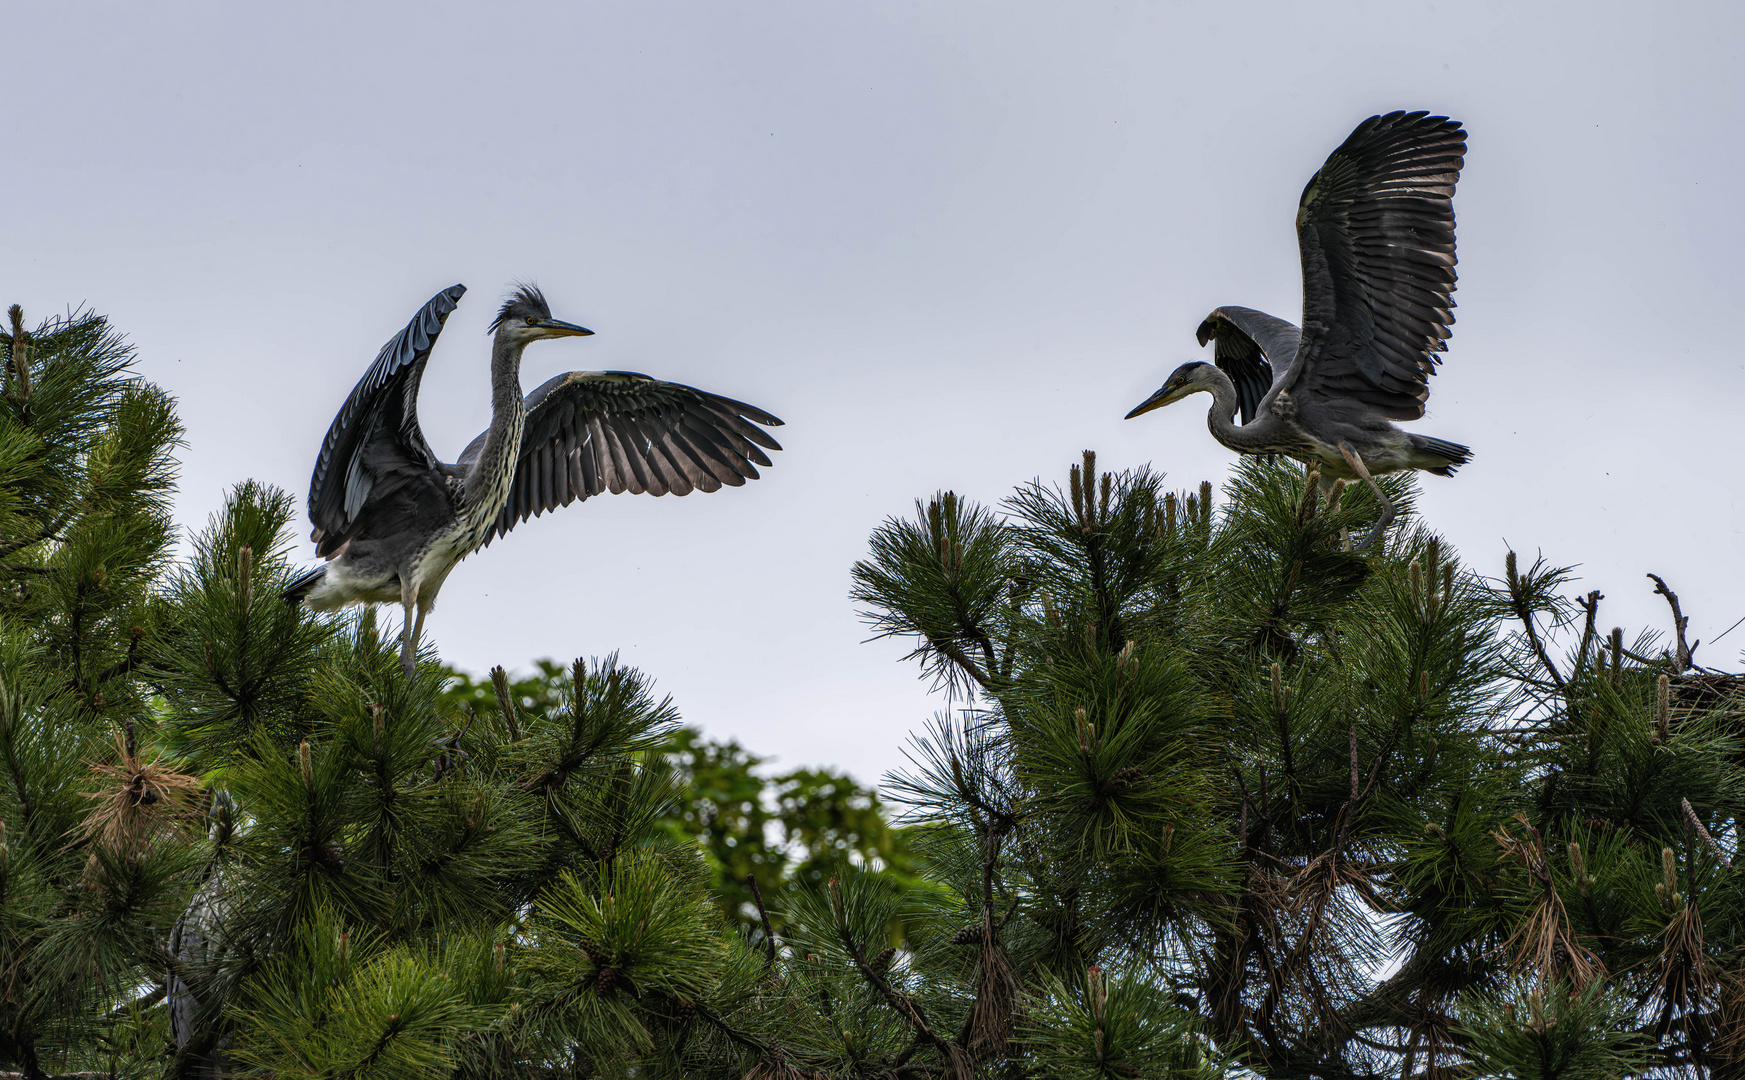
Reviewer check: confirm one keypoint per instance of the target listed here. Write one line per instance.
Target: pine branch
(53, 532)
(962, 660)
(127, 663)
(905, 1008)
(9, 733)
(728, 1030)
(1519, 602)
(769, 934)
(1280, 706)
(1591, 605)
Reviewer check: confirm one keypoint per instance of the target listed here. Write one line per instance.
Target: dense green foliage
(1209, 794)
(85, 454)
(1343, 814)
(798, 825)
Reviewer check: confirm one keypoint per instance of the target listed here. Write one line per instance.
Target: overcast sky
(950, 243)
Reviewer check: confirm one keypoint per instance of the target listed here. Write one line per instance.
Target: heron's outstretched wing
(375, 445)
(594, 431)
(1376, 229)
(1251, 345)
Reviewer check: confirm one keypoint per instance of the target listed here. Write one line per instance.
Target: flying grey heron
(392, 520)
(1376, 229)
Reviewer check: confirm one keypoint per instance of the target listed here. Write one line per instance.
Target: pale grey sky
(950, 243)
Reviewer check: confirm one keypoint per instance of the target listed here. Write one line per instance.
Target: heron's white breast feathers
(343, 584)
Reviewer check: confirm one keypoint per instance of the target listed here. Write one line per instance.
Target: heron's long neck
(1221, 419)
(486, 486)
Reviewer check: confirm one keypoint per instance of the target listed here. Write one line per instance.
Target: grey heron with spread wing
(392, 520)
(1376, 230)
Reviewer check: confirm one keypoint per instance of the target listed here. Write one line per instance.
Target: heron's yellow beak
(559, 328)
(1166, 396)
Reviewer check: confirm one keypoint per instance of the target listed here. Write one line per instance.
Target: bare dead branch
(1679, 622)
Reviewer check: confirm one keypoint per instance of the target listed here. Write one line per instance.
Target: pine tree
(1318, 813)
(85, 457)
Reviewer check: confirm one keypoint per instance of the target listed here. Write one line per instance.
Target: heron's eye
(531, 320)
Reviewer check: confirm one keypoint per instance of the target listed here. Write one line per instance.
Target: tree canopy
(1208, 794)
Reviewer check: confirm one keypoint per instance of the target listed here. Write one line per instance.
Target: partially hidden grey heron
(1376, 230)
(392, 520)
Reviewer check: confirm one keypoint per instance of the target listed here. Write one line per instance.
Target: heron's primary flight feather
(589, 432)
(375, 444)
(1376, 231)
(1255, 349)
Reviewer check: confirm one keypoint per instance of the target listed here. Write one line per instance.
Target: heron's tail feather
(1443, 456)
(303, 584)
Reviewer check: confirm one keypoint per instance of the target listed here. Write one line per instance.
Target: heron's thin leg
(408, 629)
(1387, 507)
(418, 628)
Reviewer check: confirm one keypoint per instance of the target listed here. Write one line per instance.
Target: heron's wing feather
(375, 444)
(1252, 345)
(1376, 230)
(595, 431)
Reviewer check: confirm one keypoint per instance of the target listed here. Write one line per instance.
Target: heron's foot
(1387, 518)
(1370, 537)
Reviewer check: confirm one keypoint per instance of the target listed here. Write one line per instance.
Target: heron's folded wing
(1252, 345)
(1376, 230)
(375, 442)
(594, 431)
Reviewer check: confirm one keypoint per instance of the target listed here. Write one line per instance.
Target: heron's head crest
(526, 300)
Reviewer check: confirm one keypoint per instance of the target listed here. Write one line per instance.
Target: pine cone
(969, 935)
(607, 982)
(882, 962)
(686, 1010)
